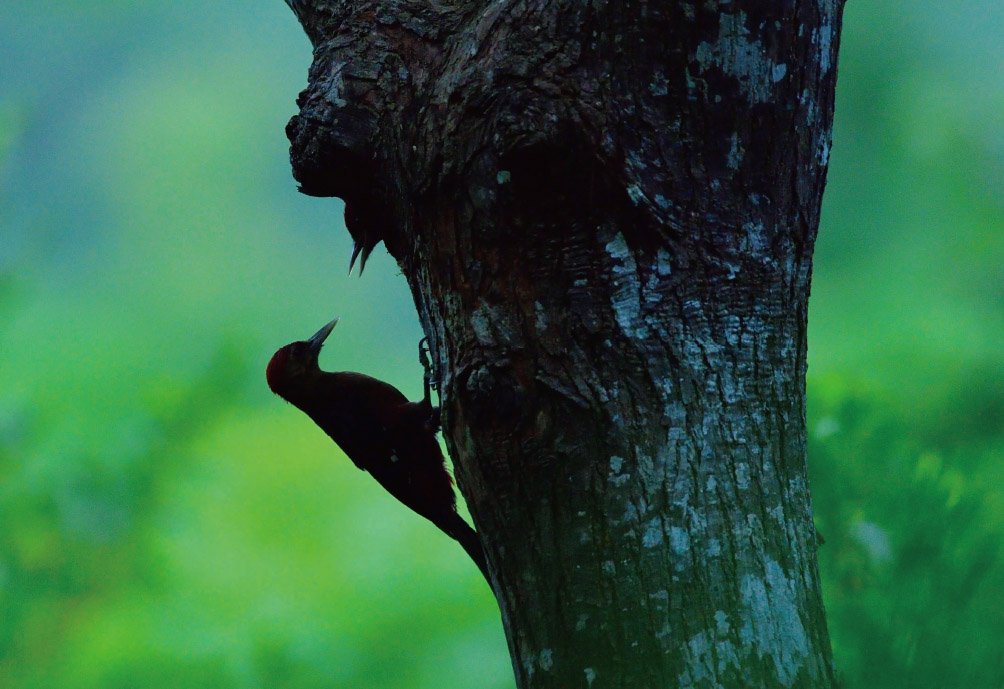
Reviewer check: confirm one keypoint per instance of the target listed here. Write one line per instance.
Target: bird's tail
(455, 527)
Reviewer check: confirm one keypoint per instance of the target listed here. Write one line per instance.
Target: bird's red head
(295, 360)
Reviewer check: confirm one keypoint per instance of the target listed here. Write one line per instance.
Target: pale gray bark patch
(735, 53)
(679, 540)
(772, 626)
(653, 534)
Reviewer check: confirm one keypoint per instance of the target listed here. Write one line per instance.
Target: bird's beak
(317, 340)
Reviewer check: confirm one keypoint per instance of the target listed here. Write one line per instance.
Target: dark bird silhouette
(379, 430)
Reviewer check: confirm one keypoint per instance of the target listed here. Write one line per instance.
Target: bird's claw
(431, 379)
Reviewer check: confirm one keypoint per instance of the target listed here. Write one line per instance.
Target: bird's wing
(370, 394)
(361, 414)
(383, 434)
(402, 453)
(360, 435)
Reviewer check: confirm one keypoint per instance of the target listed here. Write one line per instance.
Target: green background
(166, 522)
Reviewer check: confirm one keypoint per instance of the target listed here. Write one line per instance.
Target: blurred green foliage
(166, 522)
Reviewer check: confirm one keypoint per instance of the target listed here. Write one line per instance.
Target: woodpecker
(379, 430)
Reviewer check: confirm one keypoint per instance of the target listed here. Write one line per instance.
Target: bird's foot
(424, 358)
(430, 382)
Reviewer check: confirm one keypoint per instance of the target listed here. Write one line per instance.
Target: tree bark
(606, 213)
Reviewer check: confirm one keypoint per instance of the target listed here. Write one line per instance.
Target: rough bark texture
(606, 212)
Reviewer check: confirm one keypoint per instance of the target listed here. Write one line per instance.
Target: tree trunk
(606, 214)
